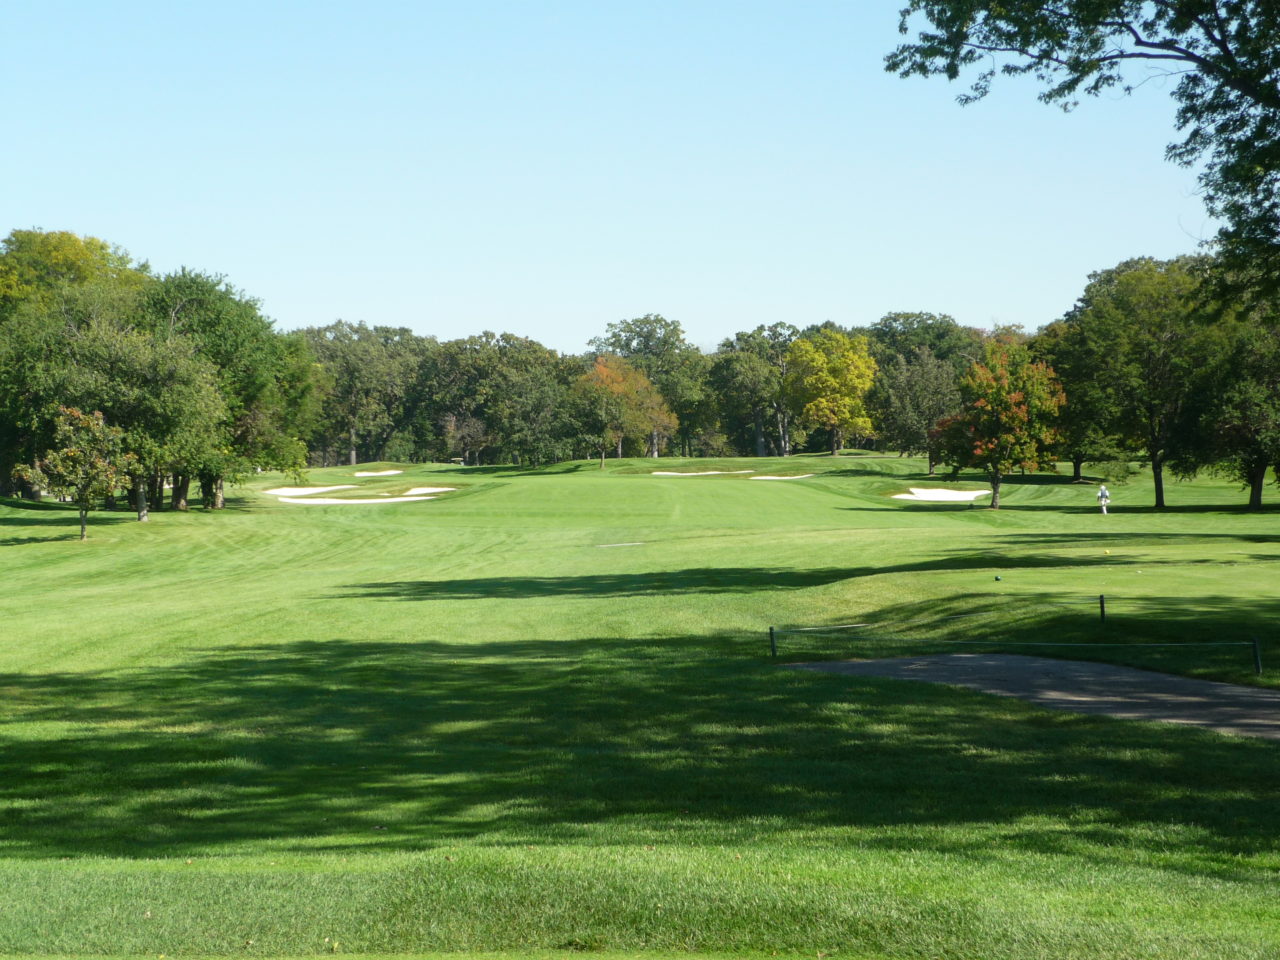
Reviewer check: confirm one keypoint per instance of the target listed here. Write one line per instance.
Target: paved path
(1087, 688)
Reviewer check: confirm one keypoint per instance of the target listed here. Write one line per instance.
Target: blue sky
(546, 168)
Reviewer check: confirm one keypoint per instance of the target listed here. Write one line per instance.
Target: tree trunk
(1257, 481)
(995, 479)
(155, 490)
(1077, 469)
(835, 443)
(181, 487)
(759, 429)
(653, 443)
(353, 446)
(84, 524)
(619, 453)
(1157, 476)
(603, 448)
(140, 500)
(219, 501)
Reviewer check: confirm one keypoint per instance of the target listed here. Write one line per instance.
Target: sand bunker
(799, 477)
(418, 491)
(303, 491)
(377, 473)
(936, 495)
(702, 473)
(331, 501)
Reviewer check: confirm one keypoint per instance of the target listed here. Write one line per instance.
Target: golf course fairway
(537, 714)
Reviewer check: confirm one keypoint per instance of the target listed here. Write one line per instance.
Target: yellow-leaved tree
(828, 377)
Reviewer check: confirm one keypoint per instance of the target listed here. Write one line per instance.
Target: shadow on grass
(1209, 637)
(58, 524)
(756, 579)
(347, 745)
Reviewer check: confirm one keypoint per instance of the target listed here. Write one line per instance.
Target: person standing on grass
(1104, 497)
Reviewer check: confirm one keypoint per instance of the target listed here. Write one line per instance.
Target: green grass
(474, 725)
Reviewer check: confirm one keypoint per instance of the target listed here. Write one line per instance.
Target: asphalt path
(1085, 687)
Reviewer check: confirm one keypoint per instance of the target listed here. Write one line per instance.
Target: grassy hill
(538, 713)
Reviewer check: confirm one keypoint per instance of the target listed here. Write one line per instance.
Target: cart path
(1084, 687)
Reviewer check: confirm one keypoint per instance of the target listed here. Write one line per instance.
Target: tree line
(1152, 364)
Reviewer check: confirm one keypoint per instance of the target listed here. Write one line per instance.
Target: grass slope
(537, 714)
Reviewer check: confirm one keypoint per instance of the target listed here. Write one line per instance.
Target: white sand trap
(332, 501)
(418, 491)
(702, 473)
(303, 491)
(936, 495)
(377, 473)
(800, 477)
(637, 543)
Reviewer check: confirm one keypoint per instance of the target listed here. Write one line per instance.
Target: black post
(773, 643)
(1257, 657)
(1102, 608)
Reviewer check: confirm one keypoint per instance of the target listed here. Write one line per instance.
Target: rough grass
(467, 725)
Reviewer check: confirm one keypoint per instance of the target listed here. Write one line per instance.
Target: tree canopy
(1224, 53)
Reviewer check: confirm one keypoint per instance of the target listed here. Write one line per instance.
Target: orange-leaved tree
(1011, 403)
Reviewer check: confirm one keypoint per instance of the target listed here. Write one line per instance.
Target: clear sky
(546, 168)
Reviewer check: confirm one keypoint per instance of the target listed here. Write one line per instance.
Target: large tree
(903, 333)
(1225, 55)
(910, 396)
(657, 348)
(1234, 421)
(374, 386)
(1089, 426)
(35, 264)
(751, 375)
(1010, 404)
(1145, 322)
(828, 376)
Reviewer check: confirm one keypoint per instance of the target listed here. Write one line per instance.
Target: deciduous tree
(828, 376)
(87, 463)
(1010, 404)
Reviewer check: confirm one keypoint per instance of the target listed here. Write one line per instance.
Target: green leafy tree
(1089, 428)
(829, 375)
(34, 264)
(374, 380)
(903, 334)
(1145, 321)
(1011, 402)
(87, 463)
(752, 376)
(83, 350)
(910, 396)
(1235, 416)
(261, 375)
(1225, 55)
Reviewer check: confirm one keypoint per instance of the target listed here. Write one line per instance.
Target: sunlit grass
(539, 714)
